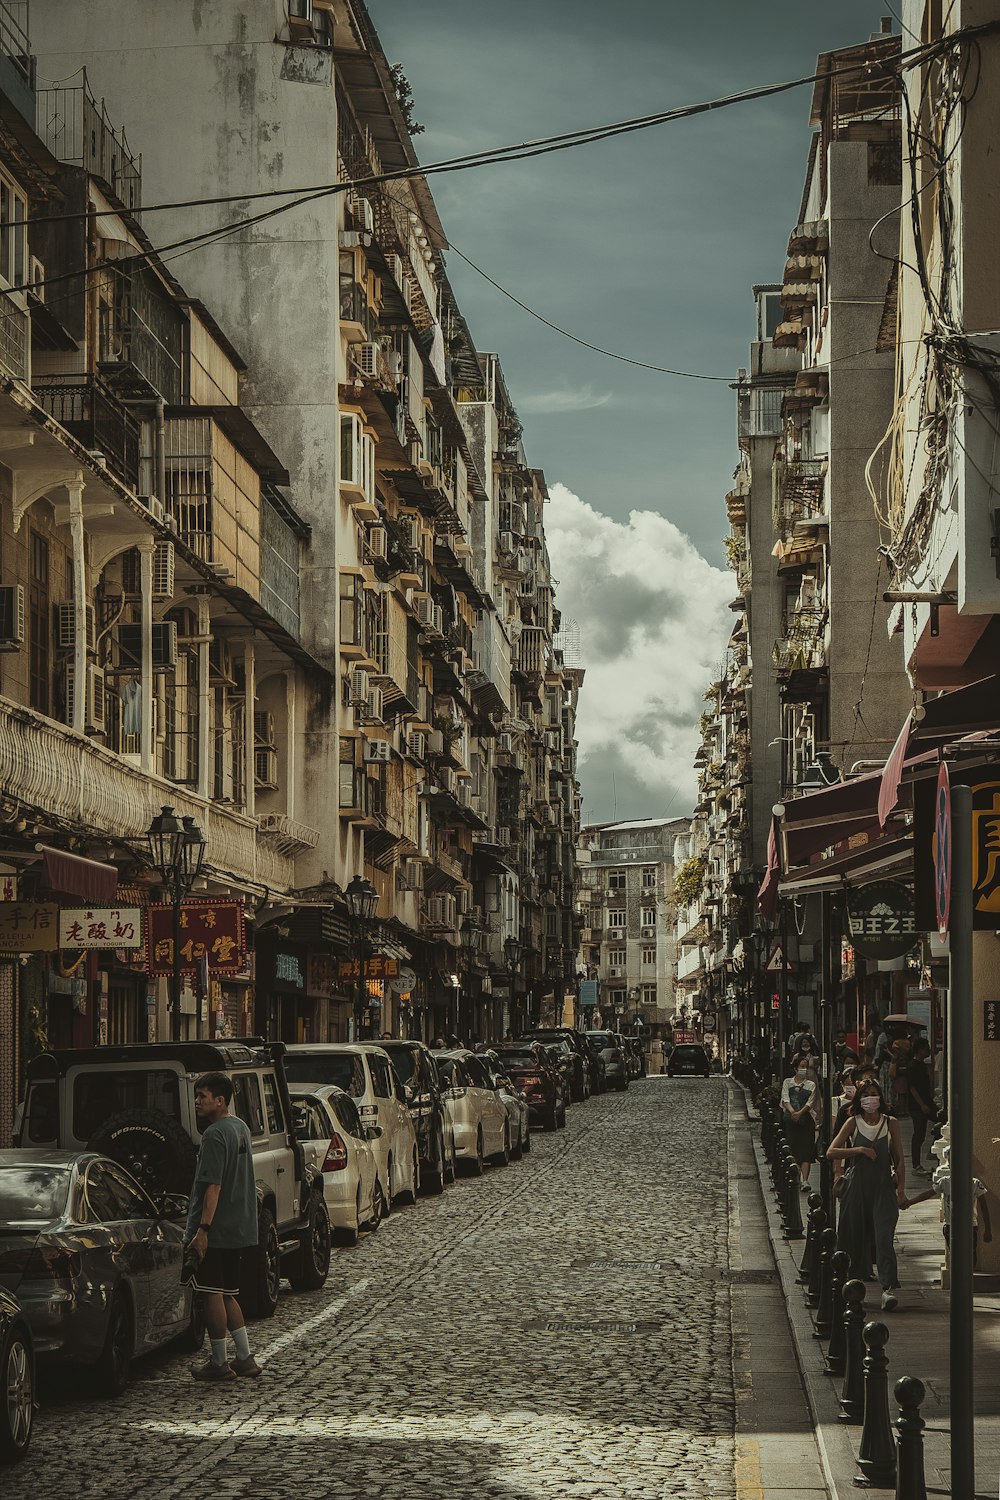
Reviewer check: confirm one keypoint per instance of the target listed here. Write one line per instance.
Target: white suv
(478, 1114)
(364, 1071)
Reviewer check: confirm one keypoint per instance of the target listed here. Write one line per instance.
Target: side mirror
(372, 1132)
(172, 1206)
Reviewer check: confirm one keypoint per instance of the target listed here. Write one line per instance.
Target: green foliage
(689, 880)
(404, 97)
(734, 551)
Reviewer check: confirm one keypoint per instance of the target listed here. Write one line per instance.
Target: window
(99, 1202)
(100, 1094)
(347, 1115)
(649, 880)
(616, 880)
(617, 998)
(647, 916)
(13, 233)
(357, 456)
(39, 612)
(246, 1097)
(617, 957)
(616, 916)
(647, 994)
(42, 1122)
(130, 1200)
(648, 952)
(381, 1077)
(273, 1105)
(351, 602)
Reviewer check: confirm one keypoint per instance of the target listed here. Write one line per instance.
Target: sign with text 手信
(100, 927)
(27, 927)
(376, 967)
(212, 930)
(880, 919)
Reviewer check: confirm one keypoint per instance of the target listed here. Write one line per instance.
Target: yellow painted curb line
(749, 1485)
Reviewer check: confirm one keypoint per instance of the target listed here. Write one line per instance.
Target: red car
(530, 1067)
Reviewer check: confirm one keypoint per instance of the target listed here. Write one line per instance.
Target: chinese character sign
(986, 849)
(210, 930)
(100, 927)
(880, 919)
(26, 927)
(376, 967)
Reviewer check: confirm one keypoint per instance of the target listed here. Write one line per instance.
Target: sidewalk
(918, 1345)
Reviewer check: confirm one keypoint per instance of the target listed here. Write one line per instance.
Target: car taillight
(335, 1159)
(530, 1078)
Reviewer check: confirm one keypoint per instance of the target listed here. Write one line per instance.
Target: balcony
(77, 130)
(280, 542)
(798, 493)
(285, 835)
(87, 788)
(17, 66)
(532, 654)
(15, 339)
(92, 414)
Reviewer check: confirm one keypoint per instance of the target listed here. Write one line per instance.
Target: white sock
(219, 1351)
(242, 1342)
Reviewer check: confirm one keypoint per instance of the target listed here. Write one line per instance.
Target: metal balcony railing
(77, 130)
(15, 338)
(92, 414)
(15, 37)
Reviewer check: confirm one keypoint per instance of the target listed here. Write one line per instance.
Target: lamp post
(470, 933)
(177, 853)
(362, 902)
(512, 956)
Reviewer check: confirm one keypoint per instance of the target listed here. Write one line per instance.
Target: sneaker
(248, 1367)
(889, 1301)
(211, 1371)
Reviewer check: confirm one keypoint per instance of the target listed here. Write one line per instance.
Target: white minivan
(478, 1114)
(363, 1070)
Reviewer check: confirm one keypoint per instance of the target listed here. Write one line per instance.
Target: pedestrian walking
(870, 1143)
(797, 1096)
(922, 1106)
(222, 1221)
(941, 1183)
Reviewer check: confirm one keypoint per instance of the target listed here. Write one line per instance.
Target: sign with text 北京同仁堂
(100, 927)
(212, 930)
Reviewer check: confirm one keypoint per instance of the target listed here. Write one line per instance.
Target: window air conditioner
(263, 729)
(163, 570)
(377, 541)
(358, 693)
(417, 743)
(361, 212)
(368, 358)
(374, 706)
(12, 617)
(265, 769)
(96, 709)
(66, 627)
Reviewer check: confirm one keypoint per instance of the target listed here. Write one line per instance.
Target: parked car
(94, 1264)
(417, 1072)
(514, 1100)
(136, 1105)
(339, 1146)
(615, 1061)
(365, 1072)
(688, 1057)
(583, 1067)
(478, 1114)
(562, 1057)
(17, 1380)
(539, 1076)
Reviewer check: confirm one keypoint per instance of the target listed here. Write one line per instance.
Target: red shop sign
(209, 929)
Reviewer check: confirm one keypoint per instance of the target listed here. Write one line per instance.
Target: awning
(767, 896)
(882, 856)
(72, 875)
(967, 711)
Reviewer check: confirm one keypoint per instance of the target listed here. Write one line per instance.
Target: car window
(381, 1076)
(41, 1123)
(343, 1069)
(347, 1115)
(99, 1203)
(101, 1093)
(406, 1062)
(272, 1103)
(246, 1097)
(33, 1194)
(130, 1200)
(479, 1074)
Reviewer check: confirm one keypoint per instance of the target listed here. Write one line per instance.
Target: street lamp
(512, 956)
(470, 933)
(362, 903)
(177, 852)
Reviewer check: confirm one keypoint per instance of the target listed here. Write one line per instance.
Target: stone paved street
(470, 1348)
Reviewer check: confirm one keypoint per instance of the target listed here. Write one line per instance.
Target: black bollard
(793, 1222)
(813, 1202)
(815, 1270)
(877, 1449)
(824, 1308)
(841, 1264)
(852, 1394)
(909, 1393)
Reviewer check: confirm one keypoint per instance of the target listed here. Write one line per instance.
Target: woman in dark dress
(870, 1144)
(797, 1096)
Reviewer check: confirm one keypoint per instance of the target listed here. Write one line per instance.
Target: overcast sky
(647, 245)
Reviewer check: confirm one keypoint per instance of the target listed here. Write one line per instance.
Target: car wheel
(517, 1149)
(262, 1271)
(551, 1119)
(526, 1146)
(150, 1144)
(311, 1265)
(114, 1366)
(478, 1162)
(432, 1181)
(378, 1204)
(409, 1194)
(452, 1162)
(502, 1157)
(17, 1396)
(561, 1121)
(389, 1191)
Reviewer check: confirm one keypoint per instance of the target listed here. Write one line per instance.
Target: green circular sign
(880, 919)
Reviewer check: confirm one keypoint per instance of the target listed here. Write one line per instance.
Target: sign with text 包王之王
(100, 927)
(880, 919)
(213, 930)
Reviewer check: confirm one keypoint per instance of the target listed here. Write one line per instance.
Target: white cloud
(585, 398)
(653, 624)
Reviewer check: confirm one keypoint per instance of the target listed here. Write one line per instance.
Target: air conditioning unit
(220, 663)
(358, 687)
(616, 932)
(164, 643)
(446, 776)
(374, 708)
(263, 728)
(504, 835)
(436, 621)
(424, 606)
(465, 793)
(398, 272)
(377, 752)
(410, 527)
(154, 506)
(265, 769)
(361, 212)
(95, 713)
(505, 744)
(648, 932)
(163, 570)
(416, 743)
(435, 742)
(410, 875)
(507, 541)
(66, 627)
(441, 911)
(12, 618)
(376, 541)
(616, 972)
(368, 358)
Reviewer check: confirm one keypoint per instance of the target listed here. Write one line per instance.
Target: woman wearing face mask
(797, 1096)
(870, 1145)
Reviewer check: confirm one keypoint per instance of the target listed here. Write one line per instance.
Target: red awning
(767, 896)
(72, 875)
(881, 856)
(888, 792)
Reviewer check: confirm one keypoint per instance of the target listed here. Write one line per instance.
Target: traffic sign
(942, 850)
(777, 962)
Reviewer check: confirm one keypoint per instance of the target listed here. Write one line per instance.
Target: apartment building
(628, 938)
(439, 764)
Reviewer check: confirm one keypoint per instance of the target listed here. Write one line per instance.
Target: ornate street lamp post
(512, 955)
(362, 903)
(177, 853)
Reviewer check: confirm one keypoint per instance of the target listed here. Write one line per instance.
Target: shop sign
(9, 887)
(26, 927)
(985, 851)
(880, 919)
(991, 1020)
(376, 967)
(405, 981)
(209, 929)
(320, 974)
(100, 927)
(288, 969)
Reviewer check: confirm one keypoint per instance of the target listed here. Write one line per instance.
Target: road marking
(295, 1334)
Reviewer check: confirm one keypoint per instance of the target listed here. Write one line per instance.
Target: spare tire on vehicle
(155, 1148)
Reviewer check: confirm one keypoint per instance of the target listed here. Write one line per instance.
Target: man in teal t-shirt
(222, 1221)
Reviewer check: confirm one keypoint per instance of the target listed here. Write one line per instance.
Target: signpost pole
(826, 1043)
(960, 1095)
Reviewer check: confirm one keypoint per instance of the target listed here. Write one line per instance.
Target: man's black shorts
(218, 1271)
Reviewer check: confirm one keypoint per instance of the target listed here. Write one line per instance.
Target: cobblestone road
(470, 1348)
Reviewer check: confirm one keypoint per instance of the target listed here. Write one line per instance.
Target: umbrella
(905, 1021)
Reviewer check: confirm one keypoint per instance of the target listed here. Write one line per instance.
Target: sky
(646, 245)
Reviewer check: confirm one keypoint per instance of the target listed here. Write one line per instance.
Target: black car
(688, 1057)
(417, 1072)
(94, 1264)
(17, 1380)
(582, 1077)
